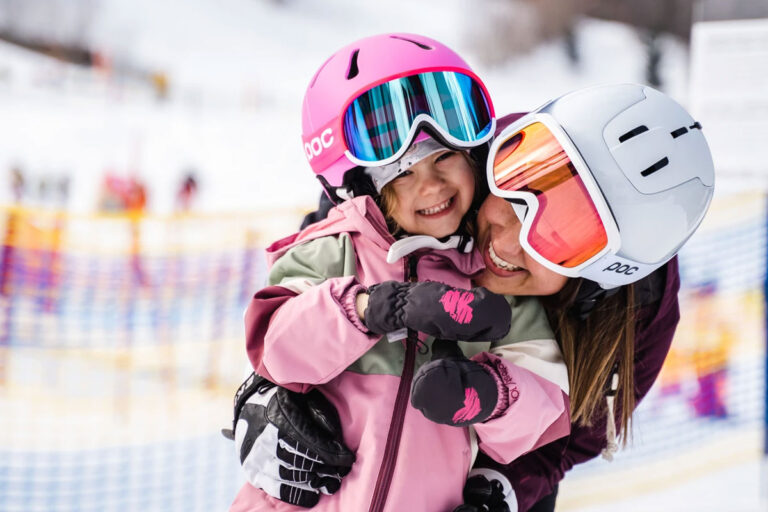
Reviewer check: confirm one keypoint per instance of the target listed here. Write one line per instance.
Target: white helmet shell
(652, 164)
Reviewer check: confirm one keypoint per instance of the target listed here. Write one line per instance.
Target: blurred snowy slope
(237, 71)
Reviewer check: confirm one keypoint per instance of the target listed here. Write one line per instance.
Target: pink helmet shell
(350, 72)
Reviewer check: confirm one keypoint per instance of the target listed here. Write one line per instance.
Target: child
(394, 259)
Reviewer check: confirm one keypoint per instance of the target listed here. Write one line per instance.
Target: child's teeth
(436, 209)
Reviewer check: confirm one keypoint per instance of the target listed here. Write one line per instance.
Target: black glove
(484, 495)
(289, 444)
(453, 390)
(438, 310)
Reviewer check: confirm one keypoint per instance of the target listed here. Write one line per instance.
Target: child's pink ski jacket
(302, 332)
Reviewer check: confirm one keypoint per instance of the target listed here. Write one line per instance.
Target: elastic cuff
(502, 402)
(348, 302)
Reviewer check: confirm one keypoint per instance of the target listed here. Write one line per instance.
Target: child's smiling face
(434, 194)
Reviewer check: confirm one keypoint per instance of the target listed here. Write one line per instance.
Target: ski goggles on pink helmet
(566, 223)
(379, 124)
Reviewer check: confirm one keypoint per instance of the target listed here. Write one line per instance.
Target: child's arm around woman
(302, 329)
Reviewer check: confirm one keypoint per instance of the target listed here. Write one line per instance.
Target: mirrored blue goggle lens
(377, 123)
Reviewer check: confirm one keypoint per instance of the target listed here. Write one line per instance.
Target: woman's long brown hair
(593, 348)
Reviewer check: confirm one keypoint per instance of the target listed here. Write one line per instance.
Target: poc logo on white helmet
(621, 268)
(316, 146)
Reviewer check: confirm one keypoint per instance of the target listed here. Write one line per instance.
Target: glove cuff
(348, 304)
(386, 300)
(502, 403)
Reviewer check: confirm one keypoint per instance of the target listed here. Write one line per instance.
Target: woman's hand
(488, 490)
(289, 444)
(436, 309)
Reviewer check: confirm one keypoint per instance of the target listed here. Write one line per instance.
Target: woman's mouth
(498, 265)
(438, 209)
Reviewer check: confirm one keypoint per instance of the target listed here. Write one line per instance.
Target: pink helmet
(357, 68)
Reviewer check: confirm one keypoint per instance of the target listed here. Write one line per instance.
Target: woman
(639, 179)
(531, 481)
(655, 176)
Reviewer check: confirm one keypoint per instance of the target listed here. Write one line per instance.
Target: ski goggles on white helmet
(566, 223)
(379, 125)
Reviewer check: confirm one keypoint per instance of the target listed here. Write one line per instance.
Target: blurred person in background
(127, 196)
(614, 315)
(18, 186)
(187, 192)
(18, 183)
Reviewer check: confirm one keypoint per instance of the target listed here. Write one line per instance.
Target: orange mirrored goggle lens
(567, 229)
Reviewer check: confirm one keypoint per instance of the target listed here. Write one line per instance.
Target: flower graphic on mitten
(471, 406)
(456, 303)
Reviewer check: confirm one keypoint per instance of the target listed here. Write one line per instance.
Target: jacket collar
(362, 215)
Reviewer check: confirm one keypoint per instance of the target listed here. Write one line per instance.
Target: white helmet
(634, 153)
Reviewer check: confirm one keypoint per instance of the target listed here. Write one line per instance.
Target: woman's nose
(506, 226)
(506, 240)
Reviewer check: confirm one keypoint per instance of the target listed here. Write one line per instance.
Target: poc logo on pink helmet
(315, 146)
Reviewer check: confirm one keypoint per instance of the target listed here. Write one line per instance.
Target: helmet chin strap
(409, 244)
(344, 193)
(648, 290)
(589, 295)
(331, 191)
(337, 195)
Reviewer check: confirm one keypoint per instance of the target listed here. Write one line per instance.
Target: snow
(740, 488)
(237, 72)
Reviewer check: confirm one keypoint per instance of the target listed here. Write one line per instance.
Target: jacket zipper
(391, 450)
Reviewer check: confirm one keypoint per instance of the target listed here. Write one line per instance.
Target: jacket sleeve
(302, 329)
(538, 413)
(534, 475)
(531, 367)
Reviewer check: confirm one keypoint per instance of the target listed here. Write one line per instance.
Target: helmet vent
(683, 130)
(353, 71)
(655, 167)
(631, 133)
(420, 45)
